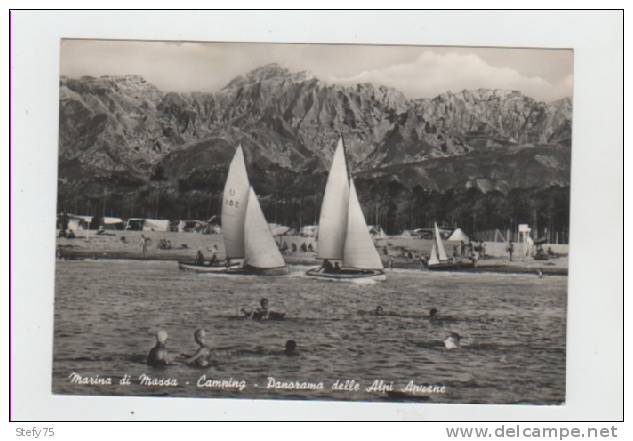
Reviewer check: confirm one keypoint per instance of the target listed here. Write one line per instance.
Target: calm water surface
(106, 313)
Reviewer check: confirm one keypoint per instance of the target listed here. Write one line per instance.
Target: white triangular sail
(359, 249)
(234, 206)
(260, 248)
(433, 257)
(441, 252)
(334, 209)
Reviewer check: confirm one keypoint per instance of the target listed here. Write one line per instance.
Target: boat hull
(451, 266)
(347, 274)
(197, 268)
(252, 271)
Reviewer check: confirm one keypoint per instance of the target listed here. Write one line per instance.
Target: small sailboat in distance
(249, 244)
(344, 243)
(438, 260)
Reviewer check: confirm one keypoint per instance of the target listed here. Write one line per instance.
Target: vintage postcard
(312, 221)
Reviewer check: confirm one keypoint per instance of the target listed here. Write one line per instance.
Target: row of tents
(451, 235)
(78, 223)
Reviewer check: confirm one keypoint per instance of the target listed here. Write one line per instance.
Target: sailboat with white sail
(438, 260)
(344, 243)
(249, 244)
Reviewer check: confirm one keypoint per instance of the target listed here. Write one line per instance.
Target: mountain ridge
(122, 138)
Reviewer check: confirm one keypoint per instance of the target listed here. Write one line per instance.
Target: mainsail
(333, 219)
(260, 248)
(441, 252)
(234, 202)
(433, 257)
(359, 249)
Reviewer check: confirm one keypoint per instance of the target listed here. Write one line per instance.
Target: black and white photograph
(313, 221)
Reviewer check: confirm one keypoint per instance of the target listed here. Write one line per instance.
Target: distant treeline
(389, 204)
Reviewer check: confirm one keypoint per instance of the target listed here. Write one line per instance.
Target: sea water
(512, 328)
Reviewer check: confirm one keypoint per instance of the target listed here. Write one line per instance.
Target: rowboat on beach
(344, 243)
(218, 267)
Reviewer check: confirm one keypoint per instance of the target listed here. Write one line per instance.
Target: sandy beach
(116, 244)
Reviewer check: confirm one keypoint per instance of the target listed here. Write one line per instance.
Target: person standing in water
(159, 356)
(144, 244)
(201, 357)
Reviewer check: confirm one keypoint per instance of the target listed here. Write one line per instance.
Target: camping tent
(156, 225)
(310, 230)
(135, 224)
(191, 226)
(112, 223)
(78, 223)
(458, 236)
(278, 230)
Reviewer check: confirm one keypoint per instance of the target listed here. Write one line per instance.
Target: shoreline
(483, 266)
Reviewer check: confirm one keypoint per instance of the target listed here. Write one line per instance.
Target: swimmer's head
(379, 309)
(161, 336)
(432, 312)
(199, 335)
(456, 336)
(291, 346)
(263, 302)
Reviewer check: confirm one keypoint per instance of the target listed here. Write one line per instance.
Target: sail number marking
(232, 202)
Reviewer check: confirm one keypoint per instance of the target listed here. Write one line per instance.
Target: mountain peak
(270, 72)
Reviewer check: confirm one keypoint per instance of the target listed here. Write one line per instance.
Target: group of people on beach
(304, 247)
(471, 250)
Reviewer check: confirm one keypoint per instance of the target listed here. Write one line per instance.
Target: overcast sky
(418, 71)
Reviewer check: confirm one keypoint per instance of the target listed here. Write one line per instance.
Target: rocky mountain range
(125, 145)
